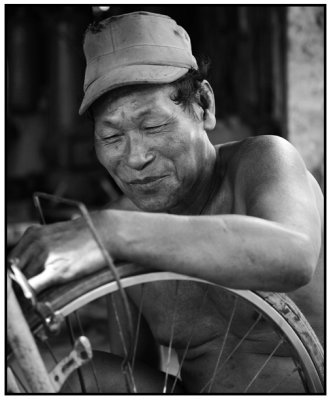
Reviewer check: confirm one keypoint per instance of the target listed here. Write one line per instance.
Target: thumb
(43, 280)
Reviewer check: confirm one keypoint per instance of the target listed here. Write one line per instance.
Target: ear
(208, 101)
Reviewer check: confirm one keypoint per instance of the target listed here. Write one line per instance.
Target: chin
(153, 205)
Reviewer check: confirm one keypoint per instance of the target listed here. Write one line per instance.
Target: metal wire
(85, 214)
(171, 339)
(264, 365)
(91, 363)
(236, 347)
(138, 326)
(72, 341)
(223, 344)
(283, 380)
(189, 342)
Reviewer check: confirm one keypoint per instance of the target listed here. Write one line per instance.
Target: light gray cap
(135, 48)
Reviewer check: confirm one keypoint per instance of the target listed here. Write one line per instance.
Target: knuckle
(32, 230)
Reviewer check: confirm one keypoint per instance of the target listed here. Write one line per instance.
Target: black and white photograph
(165, 199)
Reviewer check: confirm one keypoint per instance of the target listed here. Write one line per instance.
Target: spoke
(126, 367)
(120, 329)
(189, 341)
(223, 344)
(91, 363)
(129, 378)
(236, 347)
(171, 339)
(240, 342)
(138, 326)
(72, 341)
(264, 364)
(51, 352)
(283, 380)
(109, 319)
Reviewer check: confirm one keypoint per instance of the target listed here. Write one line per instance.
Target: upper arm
(276, 186)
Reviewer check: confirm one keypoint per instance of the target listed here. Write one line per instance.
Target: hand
(57, 253)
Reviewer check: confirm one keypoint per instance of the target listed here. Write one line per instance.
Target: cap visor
(130, 75)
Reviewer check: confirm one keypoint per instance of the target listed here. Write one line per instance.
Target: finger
(42, 281)
(22, 259)
(56, 271)
(24, 247)
(28, 235)
(35, 264)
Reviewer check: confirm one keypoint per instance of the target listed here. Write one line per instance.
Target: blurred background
(267, 73)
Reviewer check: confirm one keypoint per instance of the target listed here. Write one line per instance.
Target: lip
(146, 180)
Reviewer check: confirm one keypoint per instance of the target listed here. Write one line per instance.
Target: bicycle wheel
(275, 316)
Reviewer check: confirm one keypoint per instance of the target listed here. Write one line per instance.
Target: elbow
(304, 263)
(297, 277)
(304, 275)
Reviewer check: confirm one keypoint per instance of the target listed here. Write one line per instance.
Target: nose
(138, 154)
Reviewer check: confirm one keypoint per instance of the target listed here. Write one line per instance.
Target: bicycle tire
(281, 309)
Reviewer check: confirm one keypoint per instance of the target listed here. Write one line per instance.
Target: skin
(248, 212)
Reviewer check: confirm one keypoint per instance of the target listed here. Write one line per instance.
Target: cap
(134, 48)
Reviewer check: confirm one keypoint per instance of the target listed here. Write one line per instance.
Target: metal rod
(83, 210)
(85, 214)
(24, 346)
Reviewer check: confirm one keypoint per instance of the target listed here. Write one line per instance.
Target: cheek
(177, 144)
(106, 158)
(182, 150)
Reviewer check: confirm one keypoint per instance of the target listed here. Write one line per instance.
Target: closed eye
(109, 139)
(155, 127)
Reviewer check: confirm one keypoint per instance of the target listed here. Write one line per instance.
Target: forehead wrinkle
(136, 105)
(138, 114)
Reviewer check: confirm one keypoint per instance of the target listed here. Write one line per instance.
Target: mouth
(147, 181)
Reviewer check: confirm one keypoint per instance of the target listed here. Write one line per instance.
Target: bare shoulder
(319, 197)
(262, 159)
(266, 151)
(270, 180)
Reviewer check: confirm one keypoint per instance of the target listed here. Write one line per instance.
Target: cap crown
(138, 38)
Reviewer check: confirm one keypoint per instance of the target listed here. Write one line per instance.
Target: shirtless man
(246, 215)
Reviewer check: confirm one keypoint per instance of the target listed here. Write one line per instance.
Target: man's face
(153, 148)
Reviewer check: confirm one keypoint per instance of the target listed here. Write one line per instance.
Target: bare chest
(192, 312)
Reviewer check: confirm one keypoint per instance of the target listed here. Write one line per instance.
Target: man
(246, 215)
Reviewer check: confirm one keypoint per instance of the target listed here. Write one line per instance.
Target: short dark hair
(188, 87)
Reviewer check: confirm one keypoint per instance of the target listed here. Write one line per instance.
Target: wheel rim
(312, 377)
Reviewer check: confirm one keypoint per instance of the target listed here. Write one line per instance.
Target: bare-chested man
(246, 215)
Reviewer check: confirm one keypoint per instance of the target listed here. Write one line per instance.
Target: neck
(199, 196)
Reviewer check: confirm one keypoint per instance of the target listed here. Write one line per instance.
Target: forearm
(235, 251)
